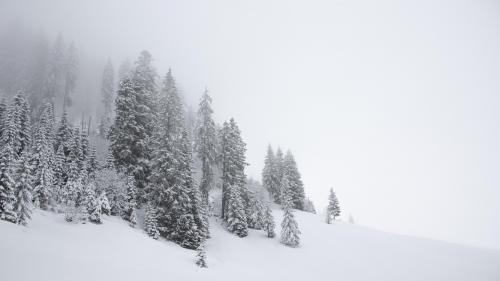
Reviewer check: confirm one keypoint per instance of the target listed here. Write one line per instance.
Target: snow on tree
(205, 143)
(92, 164)
(150, 222)
(279, 166)
(22, 205)
(129, 208)
(7, 183)
(14, 144)
(3, 117)
(333, 209)
(130, 133)
(290, 233)
(268, 222)
(255, 218)
(42, 160)
(270, 175)
(103, 203)
(201, 256)
(233, 179)
(291, 171)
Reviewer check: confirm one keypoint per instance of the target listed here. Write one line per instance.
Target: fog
(394, 104)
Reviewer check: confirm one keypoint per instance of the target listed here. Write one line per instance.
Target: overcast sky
(394, 104)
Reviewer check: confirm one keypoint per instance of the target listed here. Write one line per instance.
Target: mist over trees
(148, 157)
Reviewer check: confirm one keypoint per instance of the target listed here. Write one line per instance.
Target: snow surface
(51, 249)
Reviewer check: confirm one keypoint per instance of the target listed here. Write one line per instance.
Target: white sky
(395, 104)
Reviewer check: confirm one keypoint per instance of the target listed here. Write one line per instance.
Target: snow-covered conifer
(291, 171)
(150, 222)
(333, 209)
(201, 256)
(205, 143)
(290, 233)
(268, 224)
(23, 189)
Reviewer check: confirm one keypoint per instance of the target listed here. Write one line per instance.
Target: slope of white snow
(51, 249)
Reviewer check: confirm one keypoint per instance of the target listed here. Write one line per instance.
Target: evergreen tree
(233, 179)
(291, 171)
(279, 162)
(201, 256)
(268, 224)
(150, 221)
(333, 209)
(103, 203)
(130, 133)
(290, 233)
(23, 189)
(15, 143)
(3, 117)
(270, 177)
(42, 159)
(7, 183)
(205, 143)
(92, 164)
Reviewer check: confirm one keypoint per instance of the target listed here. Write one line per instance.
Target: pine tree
(233, 180)
(7, 183)
(15, 143)
(23, 188)
(270, 177)
(92, 164)
(42, 160)
(279, 166)
(130, 133)
(268, 224)
(291, 171)
(151, 224)
(103, 203)
(3, 117)
(201, 256)
(333, 209)
(290, 233)
(129, 210)
(205, 143)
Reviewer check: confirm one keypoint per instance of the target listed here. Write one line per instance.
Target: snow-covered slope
(51, 249)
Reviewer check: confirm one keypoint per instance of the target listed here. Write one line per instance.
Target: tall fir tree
(23, 189)
(290, 233)
(205, 143)
(233, 179)
(292, 173)
(43, 159)
(270, 177)
(56, 75)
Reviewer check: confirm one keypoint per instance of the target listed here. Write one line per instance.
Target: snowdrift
(50, 249)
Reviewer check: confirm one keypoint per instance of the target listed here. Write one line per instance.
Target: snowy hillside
(50, 249)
